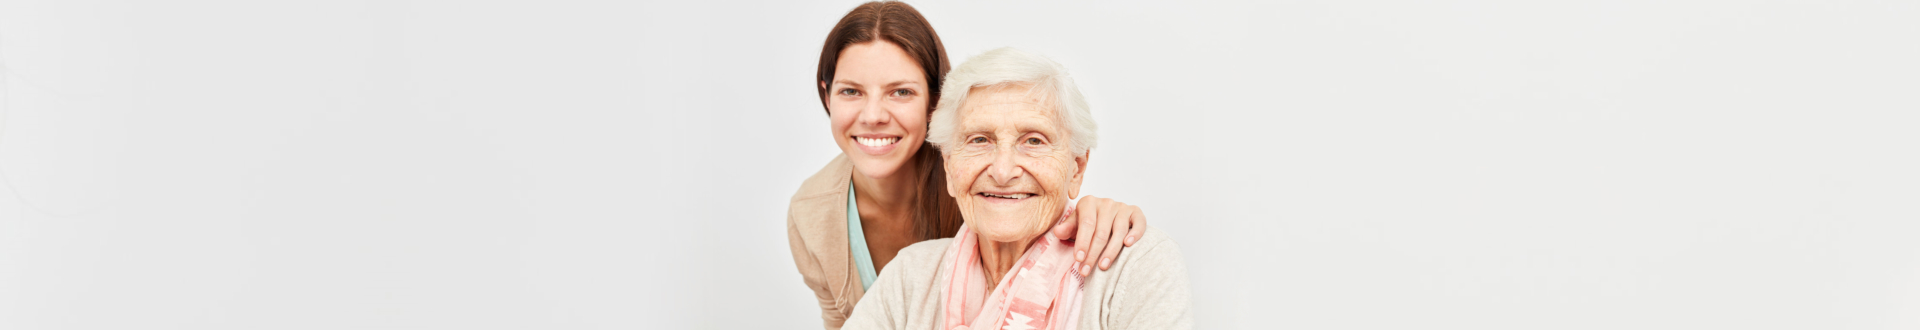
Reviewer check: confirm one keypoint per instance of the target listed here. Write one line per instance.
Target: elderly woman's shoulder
(1146, 288)
(1155, 238)
(1154, 247)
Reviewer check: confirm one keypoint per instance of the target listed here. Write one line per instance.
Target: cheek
(913, 118)
(1064, 166)
(840, 118)
(963, 170)
(955, 175)
(1057, 169)
(1044, 167)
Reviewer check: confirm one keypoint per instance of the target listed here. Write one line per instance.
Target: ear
(1079, 174)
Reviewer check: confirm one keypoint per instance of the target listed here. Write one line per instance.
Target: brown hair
(934, 213)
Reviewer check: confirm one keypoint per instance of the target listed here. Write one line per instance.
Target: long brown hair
(934, 213)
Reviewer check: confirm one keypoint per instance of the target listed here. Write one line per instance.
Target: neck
(997, 258)
(890, 195)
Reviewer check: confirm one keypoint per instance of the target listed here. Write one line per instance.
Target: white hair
(1008, 66)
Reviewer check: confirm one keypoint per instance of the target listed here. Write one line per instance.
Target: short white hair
(1008, 66)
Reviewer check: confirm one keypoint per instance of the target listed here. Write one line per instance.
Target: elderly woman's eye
(977, 139)
(1035, 141)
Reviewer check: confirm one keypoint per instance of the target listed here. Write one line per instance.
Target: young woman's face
(878, 104)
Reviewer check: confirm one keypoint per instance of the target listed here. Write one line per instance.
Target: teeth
(876, 142)
(1013, 196)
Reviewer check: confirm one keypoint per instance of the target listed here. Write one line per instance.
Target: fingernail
(1086, 269)
(1105, 263)
(1129, 240)
(1079, 255)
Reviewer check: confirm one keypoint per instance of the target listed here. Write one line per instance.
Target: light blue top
(858, 239)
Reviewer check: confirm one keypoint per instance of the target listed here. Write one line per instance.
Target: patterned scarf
(1042, 291)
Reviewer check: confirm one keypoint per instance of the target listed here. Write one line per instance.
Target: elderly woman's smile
(1011, 168)
(1002, 197)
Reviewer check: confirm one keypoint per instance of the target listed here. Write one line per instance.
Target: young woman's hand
(1100, 227)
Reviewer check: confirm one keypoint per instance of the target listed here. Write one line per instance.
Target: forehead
(880, 61)
(1007, 106)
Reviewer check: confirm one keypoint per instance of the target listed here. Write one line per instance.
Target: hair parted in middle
(889, 21)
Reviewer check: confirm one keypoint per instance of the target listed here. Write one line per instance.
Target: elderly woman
(1015, 134)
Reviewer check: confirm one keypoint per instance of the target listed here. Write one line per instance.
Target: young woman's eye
(849, 92)
(902, 92)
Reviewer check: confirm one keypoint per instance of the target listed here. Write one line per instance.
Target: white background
(622, 165)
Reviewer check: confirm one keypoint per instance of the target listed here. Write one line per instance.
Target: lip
(997, 200)
(875, 150)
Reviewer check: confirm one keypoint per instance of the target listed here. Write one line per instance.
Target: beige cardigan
(817, 236)
(1145, 289)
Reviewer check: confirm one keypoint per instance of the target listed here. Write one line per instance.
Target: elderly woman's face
(1012, 169)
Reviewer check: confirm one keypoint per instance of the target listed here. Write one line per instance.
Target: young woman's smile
(876, 144)
(878, 103)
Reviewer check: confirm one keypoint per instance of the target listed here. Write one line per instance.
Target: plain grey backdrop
(626, 165)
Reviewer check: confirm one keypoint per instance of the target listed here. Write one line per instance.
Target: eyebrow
(1028, 128)
(902, 82)
(891, 84)
(845, 82)
(1021, 129)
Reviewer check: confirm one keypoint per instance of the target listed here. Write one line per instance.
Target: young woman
(879, 78)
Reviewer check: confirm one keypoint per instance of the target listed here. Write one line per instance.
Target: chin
(1008, 227)
(1010, 221)
(877, 167)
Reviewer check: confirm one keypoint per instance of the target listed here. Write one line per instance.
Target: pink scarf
(1042, 291)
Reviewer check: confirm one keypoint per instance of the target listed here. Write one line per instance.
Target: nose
(1003, 171)
(872, 114)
